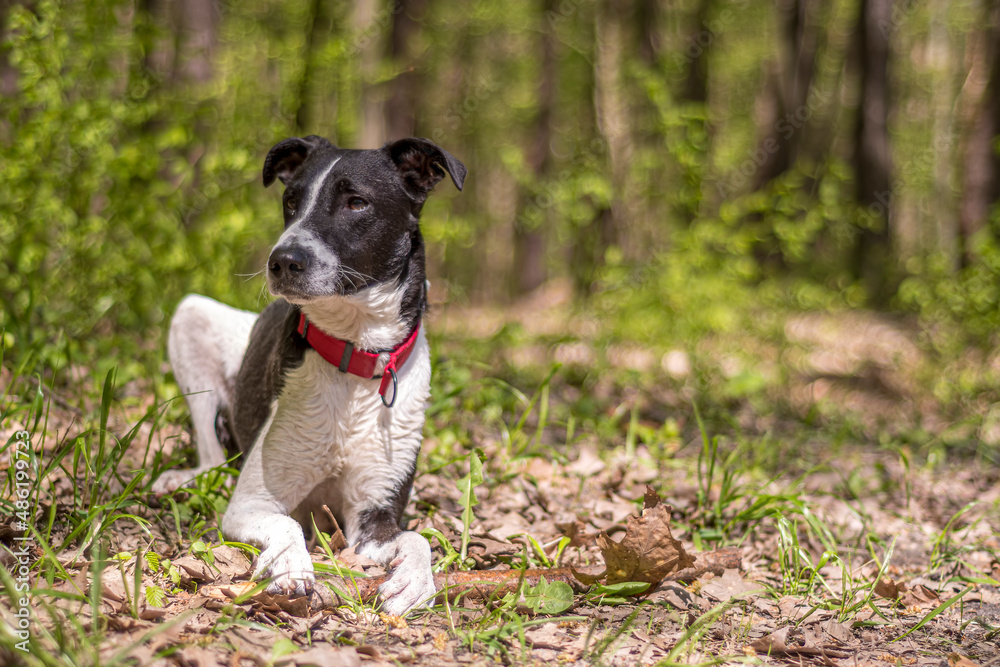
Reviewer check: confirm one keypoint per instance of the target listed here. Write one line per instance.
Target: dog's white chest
(325, 417)
(330, 425)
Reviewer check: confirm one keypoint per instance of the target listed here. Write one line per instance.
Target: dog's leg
(408, 555)
(206, 343)
(259, 510)
(377, 535)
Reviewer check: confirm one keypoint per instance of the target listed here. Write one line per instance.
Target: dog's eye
(291, 204)
(357, 204)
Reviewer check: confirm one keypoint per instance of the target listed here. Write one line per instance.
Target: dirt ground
(848, 551)
(773, 608)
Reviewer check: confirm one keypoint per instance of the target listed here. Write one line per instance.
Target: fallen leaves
(205, 587)
(889, 589)
(959, 660)
(776, 643)
(916, 596)
(728, 586)
(322, 656)
(648, 552)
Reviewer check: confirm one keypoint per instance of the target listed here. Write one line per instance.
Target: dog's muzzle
(288, 270)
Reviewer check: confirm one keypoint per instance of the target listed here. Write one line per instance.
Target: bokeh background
(672, 171)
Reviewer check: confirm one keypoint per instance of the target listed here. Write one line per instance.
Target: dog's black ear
(422, 164)
(287, 156)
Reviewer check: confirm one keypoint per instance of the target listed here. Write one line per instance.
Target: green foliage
(128, 182)
(548, 597)
(967, 301)
(85, 207)
(203, 551)
(615, 594)
(114, 193)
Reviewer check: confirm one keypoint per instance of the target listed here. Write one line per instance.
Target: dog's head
(351, 216)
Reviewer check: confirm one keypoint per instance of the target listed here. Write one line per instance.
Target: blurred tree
(700, 42)
(8, 74)
(316, 29)
(611, 114)
(199, 21)
(649, 27)
(530, 234)
(404, 88)
(872, 159)
(806, 148)
(981, 158)
(370, 16)
(789, 82)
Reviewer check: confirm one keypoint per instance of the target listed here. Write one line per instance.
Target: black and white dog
(324, 392)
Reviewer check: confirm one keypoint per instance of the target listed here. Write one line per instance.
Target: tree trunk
(612, 118)
(401, 106)
(872, 151)
(699, 42)
(981, 163)
(197, 23)
(788, 87)
(369, 17)
(529, 235)
(647, 20)
(8, 74)
(303, 115)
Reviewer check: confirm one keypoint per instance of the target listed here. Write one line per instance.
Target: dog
(324, 392)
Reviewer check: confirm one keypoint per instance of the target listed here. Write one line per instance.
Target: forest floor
(850, 547)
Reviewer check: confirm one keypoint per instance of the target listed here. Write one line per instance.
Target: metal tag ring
(389, 404)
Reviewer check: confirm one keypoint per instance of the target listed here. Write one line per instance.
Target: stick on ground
(486, 584)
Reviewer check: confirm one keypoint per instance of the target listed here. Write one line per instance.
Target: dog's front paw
(290, 568)
(412, 581)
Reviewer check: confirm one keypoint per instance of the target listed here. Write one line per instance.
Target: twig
(486, 584)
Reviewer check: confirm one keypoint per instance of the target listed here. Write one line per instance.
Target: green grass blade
(934, 613)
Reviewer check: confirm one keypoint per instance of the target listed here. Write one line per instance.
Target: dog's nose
(288, 260)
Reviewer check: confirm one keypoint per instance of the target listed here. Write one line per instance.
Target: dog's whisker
(350, 274)
(250, 276)
(262, 295)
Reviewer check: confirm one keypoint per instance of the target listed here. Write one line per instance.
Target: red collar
(347, 359)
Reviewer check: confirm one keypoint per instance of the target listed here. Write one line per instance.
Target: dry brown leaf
(959, 660)
(193, 569)
(577, 533)
(150, 613)
(487, 551)
(255, 642)
(773, 642)
(232, 563)
(196, 655)
(889, 589)
(355, 561)
(546, 635)
(839, 631)
(369, 650)
(648, 552)
(115, 586)
(231, 591)
(729, 585)
(674, 595)
(589, 576)
(322, 656)
(296, 606)
(920, 596)
(776, 643)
